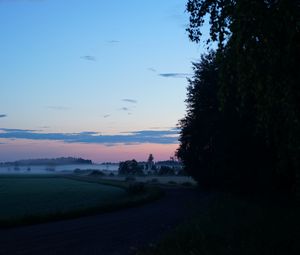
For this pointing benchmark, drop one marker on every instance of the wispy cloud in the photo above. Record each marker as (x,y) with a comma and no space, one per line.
(89,58)
(113,41)
(18,130)
(3,115)
(136,137)
(152,69)
(126,109)
(175,75)
(106,116)
(57,107)
(163,128)
(128,100)
(16,1)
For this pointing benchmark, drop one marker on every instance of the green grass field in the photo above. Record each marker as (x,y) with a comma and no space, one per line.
(24,197)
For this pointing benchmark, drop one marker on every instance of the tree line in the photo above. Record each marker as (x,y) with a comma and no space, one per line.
(242,126)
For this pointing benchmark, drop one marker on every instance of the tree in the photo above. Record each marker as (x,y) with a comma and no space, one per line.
(130,167)
(150,158)
(200,125)
(150,163)
(166,170)
(258,57)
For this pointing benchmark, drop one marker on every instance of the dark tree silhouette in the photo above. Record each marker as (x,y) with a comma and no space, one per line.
(258,56)
(200,125)
(166,170)
(130,167)
(150,163)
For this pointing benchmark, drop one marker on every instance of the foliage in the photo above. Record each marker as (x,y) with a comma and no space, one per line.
(96,173)
(150,158)
(50,162)
(200,125)
(130,167)
(254,131)
(154,168)
(166,170)
(150,164)
(93,172)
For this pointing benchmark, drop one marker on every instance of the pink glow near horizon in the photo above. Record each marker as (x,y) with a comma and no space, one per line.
(23,149)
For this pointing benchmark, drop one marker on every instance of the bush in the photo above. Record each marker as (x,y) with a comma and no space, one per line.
(172,182)
(154,180)
(82,171)
(77,171)
(96,173)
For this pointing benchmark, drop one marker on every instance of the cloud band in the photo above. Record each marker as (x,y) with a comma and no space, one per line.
(136,137)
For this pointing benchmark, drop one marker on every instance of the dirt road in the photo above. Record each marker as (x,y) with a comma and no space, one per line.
(114,233)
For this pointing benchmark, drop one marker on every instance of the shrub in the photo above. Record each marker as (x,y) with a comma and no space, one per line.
(82,171)
(96,173)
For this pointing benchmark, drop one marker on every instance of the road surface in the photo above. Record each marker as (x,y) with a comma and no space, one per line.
(114,233)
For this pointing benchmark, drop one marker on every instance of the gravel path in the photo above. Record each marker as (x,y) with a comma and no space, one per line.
(114,233)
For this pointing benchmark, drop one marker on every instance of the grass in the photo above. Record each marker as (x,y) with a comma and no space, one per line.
(34,199)
(136,197)
(231,225)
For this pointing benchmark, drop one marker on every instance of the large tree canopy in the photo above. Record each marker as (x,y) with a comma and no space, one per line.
(258,59)
(199,126)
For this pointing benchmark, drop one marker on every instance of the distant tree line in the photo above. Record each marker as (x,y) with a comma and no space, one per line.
(133,167)
(55,161)
(242,126)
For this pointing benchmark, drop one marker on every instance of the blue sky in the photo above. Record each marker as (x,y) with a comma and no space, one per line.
(109,67)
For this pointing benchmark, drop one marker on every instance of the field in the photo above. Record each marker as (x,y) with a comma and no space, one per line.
(25,197)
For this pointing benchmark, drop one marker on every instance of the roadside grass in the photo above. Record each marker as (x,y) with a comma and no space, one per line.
(232,225)
(138,193)
(81,207)
(159,179)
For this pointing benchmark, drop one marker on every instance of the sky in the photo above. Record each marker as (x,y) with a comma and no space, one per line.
(103,80)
